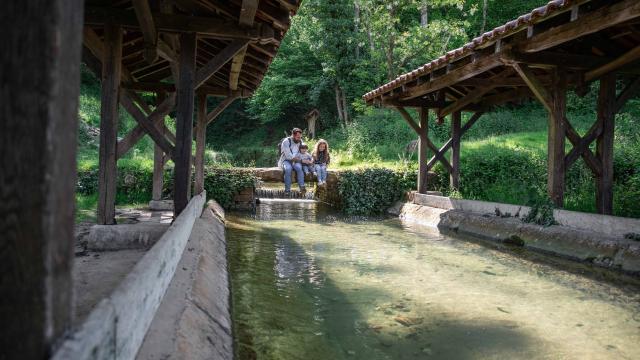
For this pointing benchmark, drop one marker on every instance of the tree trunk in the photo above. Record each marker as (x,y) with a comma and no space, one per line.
(485,5)
(339,103)
(356,8)
(345,108)
(424,15)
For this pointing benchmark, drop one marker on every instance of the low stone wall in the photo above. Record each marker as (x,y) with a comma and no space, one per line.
(194,318)
(328,194)
(116,327)
(478,219)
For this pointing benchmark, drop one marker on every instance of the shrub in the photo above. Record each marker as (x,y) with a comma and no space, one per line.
(223,184)
(371,191)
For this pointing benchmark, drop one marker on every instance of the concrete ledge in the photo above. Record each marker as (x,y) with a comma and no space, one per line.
(128,236)
(276,174)
(597,248)
(161,205)
(610,225)
(194,318)
(116,327)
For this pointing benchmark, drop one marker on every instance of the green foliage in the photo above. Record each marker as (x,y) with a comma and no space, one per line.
(223,184)
(541,213)
(371,191)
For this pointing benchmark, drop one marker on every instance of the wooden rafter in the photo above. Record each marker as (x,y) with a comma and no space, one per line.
(148,29)
(534,84)
(211,67)
(247,15)
(220,108)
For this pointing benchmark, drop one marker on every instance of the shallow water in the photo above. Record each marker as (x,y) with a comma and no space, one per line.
(307,284)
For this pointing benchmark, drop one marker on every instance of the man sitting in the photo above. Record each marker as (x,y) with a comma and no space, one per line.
(290,159)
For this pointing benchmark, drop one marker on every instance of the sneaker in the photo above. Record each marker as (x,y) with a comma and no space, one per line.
(287,193)
(303,189)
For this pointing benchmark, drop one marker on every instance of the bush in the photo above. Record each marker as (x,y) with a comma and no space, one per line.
(223,184)
(371,191)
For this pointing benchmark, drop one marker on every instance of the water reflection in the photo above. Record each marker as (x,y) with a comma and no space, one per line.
(308,284)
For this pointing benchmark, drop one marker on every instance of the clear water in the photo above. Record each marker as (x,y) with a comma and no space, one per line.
(310,285)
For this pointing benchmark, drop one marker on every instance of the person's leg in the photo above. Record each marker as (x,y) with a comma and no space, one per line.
(286,165)
(299,175)
(323,169)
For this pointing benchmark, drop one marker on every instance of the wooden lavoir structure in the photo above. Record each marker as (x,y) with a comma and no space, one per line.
(566,44)
(178,52)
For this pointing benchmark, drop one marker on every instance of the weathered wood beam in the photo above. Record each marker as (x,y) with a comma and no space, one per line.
(175,23)
(219,109)
(423,170)
(149,86)
(111,74)
(583,146)
(156,118)
(149,127)
(629,91)
(576,141)
(555,58)
(40,72)
(447,145)
(626,58)
(236,68)
(148,29)
(462,73)
(222,91)
(166,52)
(215,64)
(247,15)
(598,20)
(184,122)
(556,137)
(201,135)
(407,117)
(456,135)
(534,85)
(490,84)
(248,12)
(604,143)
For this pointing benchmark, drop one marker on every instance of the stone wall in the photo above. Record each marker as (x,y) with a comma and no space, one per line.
(599,247)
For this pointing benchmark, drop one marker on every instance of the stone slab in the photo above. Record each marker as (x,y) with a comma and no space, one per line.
(128,236)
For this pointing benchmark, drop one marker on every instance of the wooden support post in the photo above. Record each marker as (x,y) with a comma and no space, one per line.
(556,138)
(422,151)
(111,74)
(454,177)
(604,143)
(158,172)
(201,132)
(40,72)
(184,122)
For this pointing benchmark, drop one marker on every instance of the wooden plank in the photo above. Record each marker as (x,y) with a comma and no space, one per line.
(156,117)
(215,64)
(201,134)
(409,120)
(534,85)
(604,144)
(589,23)
(219,109)
(456,134)
(149,127)
(628,57)
(184,122)
(629,91)
(183,24)
(148,29)
(41,84)
(107,155)
(556,136)
(422,151)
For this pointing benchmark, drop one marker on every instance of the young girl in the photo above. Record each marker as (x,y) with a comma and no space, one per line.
(321,160)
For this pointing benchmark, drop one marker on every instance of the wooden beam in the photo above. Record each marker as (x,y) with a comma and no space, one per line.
(156,118)
(219,109)
(111,74)
(223,57)
(629,91)
(462,73)
(534,85)
(456,135)
(447,145)
(184,122)
(409,120)
(423,171)
(236,68)
(149,127)
(201,135)
(626,58)
(604,144)
(166,52)
(148,29)
(555,58)
(247,15)
(40,72)
(597,20)
(175,23)
(583,146)
(591,160)
(556,136)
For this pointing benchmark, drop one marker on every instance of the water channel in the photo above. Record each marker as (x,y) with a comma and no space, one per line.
(310,284)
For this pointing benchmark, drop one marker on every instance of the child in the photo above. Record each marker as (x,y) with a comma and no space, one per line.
(321,159)
(306,159)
